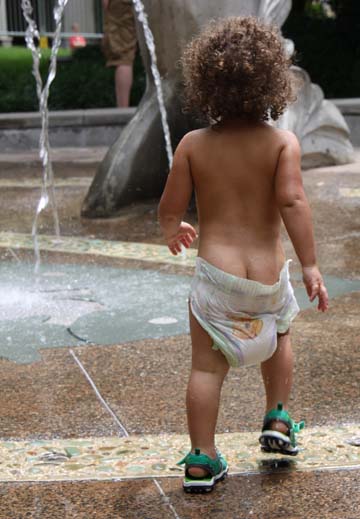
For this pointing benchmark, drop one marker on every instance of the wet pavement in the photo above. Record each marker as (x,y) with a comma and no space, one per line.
(95,354)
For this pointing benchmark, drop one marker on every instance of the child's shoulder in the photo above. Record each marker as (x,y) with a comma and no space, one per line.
(195,135)
(281,139)
(286,137)
(192,138)
(204,137)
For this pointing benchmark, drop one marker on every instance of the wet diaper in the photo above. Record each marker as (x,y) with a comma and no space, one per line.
(242,316)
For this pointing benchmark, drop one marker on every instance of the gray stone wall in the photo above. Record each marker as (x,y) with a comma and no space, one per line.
(101,127)
(76,128)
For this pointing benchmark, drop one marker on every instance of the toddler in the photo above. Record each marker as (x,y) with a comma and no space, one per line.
(247,179)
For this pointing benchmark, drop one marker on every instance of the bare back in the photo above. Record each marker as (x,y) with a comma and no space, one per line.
(233,170)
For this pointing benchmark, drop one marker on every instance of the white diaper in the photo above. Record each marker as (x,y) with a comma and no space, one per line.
(242,316)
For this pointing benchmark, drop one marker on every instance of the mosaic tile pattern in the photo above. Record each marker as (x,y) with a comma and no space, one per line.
(114,249)
(350,192)
(27,183)
(149,456)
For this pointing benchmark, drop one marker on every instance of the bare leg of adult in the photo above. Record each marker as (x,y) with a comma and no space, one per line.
(208,371)
(277,373)
(123,82)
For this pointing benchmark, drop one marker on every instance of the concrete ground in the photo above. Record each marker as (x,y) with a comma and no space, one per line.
(95,354)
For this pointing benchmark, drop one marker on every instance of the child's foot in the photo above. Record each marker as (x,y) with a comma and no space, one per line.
(198,472)
(202,472)
(278,433)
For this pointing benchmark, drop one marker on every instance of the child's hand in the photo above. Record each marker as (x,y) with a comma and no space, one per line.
(185,235)
(315,287)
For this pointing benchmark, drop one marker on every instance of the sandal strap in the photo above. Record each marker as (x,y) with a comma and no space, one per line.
(298,426)
(280,415)
(202,461)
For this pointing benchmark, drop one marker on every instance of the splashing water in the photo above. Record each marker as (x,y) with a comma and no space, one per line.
(149,38)
(48,189)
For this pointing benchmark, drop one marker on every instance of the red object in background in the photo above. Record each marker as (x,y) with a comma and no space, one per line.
(77,41)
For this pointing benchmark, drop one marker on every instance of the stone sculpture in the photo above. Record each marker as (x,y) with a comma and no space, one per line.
(319,126)
(136,166)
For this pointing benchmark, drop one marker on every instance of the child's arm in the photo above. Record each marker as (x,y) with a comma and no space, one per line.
(296,215)
(175,200)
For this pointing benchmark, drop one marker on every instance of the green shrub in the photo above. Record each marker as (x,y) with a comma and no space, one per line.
(82,80)
(329,51)
(17,90)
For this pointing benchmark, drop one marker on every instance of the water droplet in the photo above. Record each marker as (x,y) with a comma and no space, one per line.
(163,320)
(354,441)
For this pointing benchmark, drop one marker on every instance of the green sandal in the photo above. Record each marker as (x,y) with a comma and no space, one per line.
(275,441)
(216,469)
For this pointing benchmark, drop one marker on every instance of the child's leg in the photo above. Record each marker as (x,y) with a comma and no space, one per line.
(208,371)
(277,374)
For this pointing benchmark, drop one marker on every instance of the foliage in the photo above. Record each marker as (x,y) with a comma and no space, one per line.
(315,10)
(82,80)
(17,86)
(328,50)
(341,8)
(345,7)
(298,6)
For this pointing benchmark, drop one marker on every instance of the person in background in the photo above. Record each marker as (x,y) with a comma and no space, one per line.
(119,45)
(77,40)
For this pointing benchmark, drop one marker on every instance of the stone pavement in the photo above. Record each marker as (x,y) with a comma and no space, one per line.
(95,355)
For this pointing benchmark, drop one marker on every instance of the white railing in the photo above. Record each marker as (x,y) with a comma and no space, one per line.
(87,35)
(86,13)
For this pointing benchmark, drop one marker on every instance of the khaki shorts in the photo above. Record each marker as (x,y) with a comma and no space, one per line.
(119,42)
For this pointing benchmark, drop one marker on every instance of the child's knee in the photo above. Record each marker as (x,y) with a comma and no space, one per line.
(217,365)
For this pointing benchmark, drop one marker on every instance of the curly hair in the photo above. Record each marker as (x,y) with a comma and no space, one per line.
(237,68)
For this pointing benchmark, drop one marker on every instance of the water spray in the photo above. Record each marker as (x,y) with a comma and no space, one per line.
(149,38)
(47,189)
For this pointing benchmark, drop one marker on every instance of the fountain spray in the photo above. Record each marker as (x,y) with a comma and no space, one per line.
(149,38)
(48,189)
